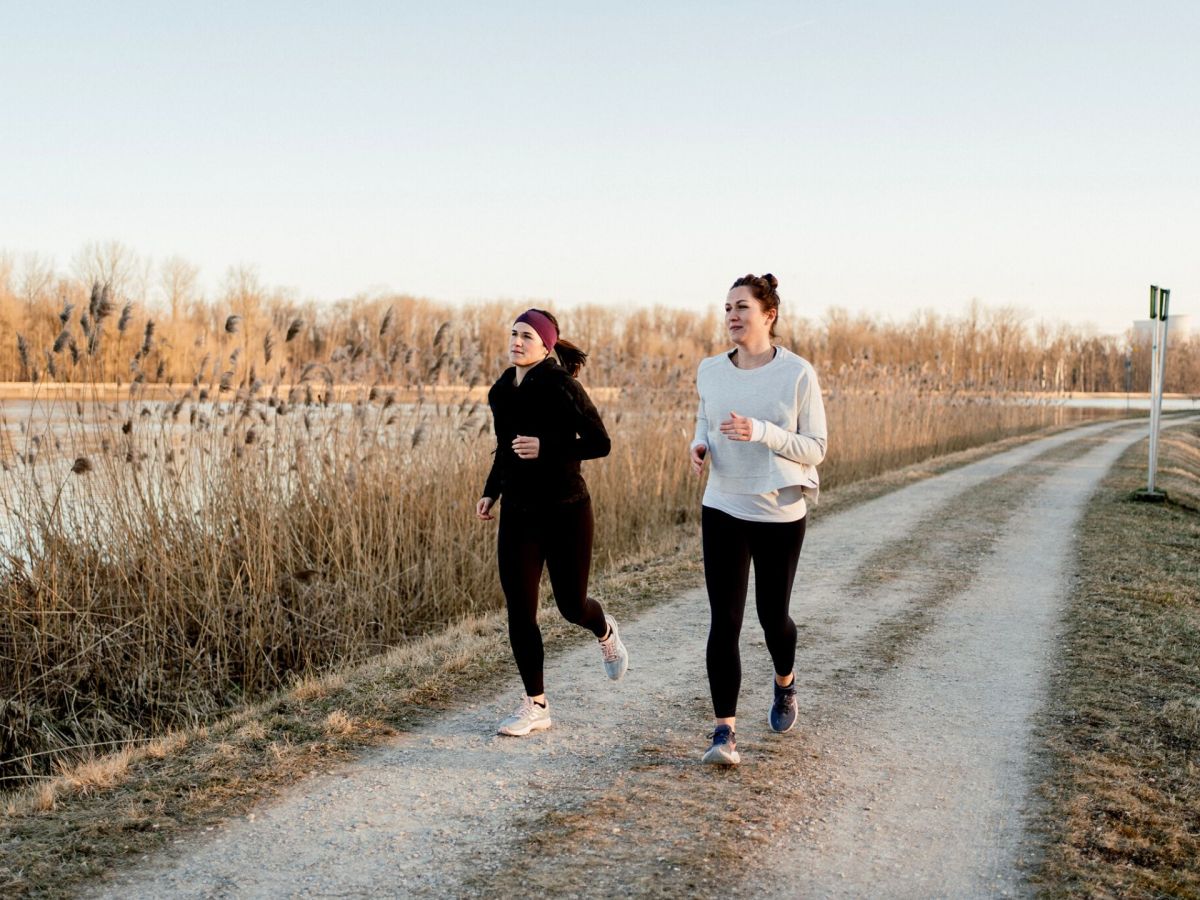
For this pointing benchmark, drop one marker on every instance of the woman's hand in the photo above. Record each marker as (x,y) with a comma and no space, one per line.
(699,457)
(737,428)
(526,447)
(483,509)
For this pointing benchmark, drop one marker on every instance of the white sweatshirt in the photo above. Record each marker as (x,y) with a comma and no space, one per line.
(788,441)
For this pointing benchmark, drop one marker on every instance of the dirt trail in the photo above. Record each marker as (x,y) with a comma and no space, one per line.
(928,624)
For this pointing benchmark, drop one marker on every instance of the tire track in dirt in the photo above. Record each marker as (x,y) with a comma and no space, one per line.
(909,692)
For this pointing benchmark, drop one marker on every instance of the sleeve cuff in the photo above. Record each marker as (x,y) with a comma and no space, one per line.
(758,431)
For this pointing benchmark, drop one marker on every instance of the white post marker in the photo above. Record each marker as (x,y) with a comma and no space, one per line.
(1159,302)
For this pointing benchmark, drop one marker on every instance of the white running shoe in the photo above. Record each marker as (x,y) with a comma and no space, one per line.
(616,657)
(528,717)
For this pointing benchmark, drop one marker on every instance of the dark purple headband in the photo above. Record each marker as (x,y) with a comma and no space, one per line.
(543,326)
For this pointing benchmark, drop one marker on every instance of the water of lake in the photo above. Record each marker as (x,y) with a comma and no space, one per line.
(1132,402)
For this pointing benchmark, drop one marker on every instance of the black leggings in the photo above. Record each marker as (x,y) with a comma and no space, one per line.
(730,544)
(559,536)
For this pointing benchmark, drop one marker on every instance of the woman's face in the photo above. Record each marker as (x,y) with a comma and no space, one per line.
(525,348)
(744,317)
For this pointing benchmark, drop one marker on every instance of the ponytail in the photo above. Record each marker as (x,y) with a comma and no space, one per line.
(570,356)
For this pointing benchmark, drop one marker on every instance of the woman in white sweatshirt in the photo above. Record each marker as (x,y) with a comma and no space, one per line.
(761,425)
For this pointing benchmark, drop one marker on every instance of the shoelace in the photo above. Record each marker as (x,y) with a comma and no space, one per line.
(725,737)
(526,707)
(608,647)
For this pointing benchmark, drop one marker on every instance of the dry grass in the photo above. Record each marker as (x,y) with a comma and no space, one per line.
(310,687)
(185,573)
(338,724)
(169,560)
(97,774)
(185,551)
(1123,818)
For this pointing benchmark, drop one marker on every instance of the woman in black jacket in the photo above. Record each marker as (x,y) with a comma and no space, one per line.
(545,425)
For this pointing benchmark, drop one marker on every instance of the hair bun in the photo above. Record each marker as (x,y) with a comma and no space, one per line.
(771,280)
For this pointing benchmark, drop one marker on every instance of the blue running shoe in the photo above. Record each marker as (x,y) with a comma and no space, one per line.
(723,751)
(782,716)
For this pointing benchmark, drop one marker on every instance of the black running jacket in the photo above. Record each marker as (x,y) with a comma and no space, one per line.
(551,405)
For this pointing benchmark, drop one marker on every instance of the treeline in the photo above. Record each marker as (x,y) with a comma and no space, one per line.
(116,317)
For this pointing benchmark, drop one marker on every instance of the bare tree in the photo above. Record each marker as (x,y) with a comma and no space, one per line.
(243,295)
(1008,333)
(178,283)
(113,264)
(242,291)
(8,265)
(35,280)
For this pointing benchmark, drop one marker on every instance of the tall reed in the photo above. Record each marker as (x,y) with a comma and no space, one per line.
(168,555)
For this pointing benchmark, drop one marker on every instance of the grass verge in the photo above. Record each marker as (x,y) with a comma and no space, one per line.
(1123,724)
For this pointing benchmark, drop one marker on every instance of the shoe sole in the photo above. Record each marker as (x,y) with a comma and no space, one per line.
(721,759)
(620,672)
(539,725)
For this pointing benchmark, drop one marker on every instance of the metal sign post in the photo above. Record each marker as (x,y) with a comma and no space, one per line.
(1160,299)
(1128,377)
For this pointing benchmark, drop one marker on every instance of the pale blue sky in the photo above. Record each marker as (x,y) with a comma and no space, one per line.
(883,157)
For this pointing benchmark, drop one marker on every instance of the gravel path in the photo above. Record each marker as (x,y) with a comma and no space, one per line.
(928,624)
